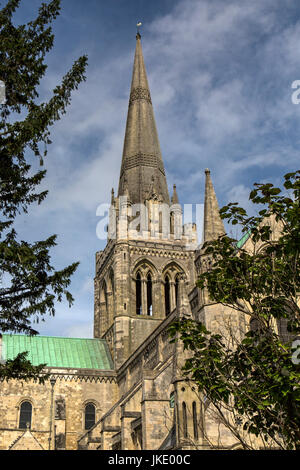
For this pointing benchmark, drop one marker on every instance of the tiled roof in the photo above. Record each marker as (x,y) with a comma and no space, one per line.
(59,352)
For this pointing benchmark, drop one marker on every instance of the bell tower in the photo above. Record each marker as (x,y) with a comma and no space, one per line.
(148,250)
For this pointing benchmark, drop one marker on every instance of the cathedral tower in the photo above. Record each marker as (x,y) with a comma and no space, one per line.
(148,250)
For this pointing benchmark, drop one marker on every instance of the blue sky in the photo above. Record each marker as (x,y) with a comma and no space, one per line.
(220,74)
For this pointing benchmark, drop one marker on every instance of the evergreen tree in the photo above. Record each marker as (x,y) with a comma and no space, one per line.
(30,284)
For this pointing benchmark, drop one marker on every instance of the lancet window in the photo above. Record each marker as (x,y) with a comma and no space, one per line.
(171,280)
(149,294)
(138,293)
(89,416)
(143,279)
(195,420)
(167,295)
(25,415)
(176,287)
(184,420)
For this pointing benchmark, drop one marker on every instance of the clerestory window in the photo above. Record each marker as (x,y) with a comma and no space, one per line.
(90,416)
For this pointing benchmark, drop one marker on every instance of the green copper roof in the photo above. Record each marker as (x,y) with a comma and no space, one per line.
(59,352)
(243,240)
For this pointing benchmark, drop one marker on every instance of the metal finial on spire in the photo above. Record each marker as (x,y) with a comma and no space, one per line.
(139,24)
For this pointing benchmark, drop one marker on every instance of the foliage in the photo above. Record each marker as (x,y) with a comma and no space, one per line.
(29,283)
(253,374)
(21,368)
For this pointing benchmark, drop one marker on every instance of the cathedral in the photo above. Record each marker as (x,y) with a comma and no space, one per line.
(124,389)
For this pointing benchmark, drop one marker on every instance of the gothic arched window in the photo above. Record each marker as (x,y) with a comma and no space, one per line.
(105,296)
(25,415)
(195,421)
(89,416)
(176,287)
(167,295)
(184,420)
(138,294)
(104,310)
(110,298)
(149,294)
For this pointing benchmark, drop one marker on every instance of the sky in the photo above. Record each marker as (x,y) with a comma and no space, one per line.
(220,75)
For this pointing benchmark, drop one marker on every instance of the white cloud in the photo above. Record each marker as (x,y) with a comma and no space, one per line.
(80,330)
(88,286)
(240,194)
(198,103)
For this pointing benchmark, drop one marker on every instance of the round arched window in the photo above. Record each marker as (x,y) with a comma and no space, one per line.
(89,416)
(25,415)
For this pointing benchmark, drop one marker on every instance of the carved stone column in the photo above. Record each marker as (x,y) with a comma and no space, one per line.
(156,299)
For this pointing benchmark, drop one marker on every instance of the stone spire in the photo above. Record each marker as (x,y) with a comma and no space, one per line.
(142,163)
(213,224)
(112,201)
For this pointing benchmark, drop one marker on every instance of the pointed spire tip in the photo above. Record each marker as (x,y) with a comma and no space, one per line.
(174,198)
(213,224)
(141,148)
(138,36)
